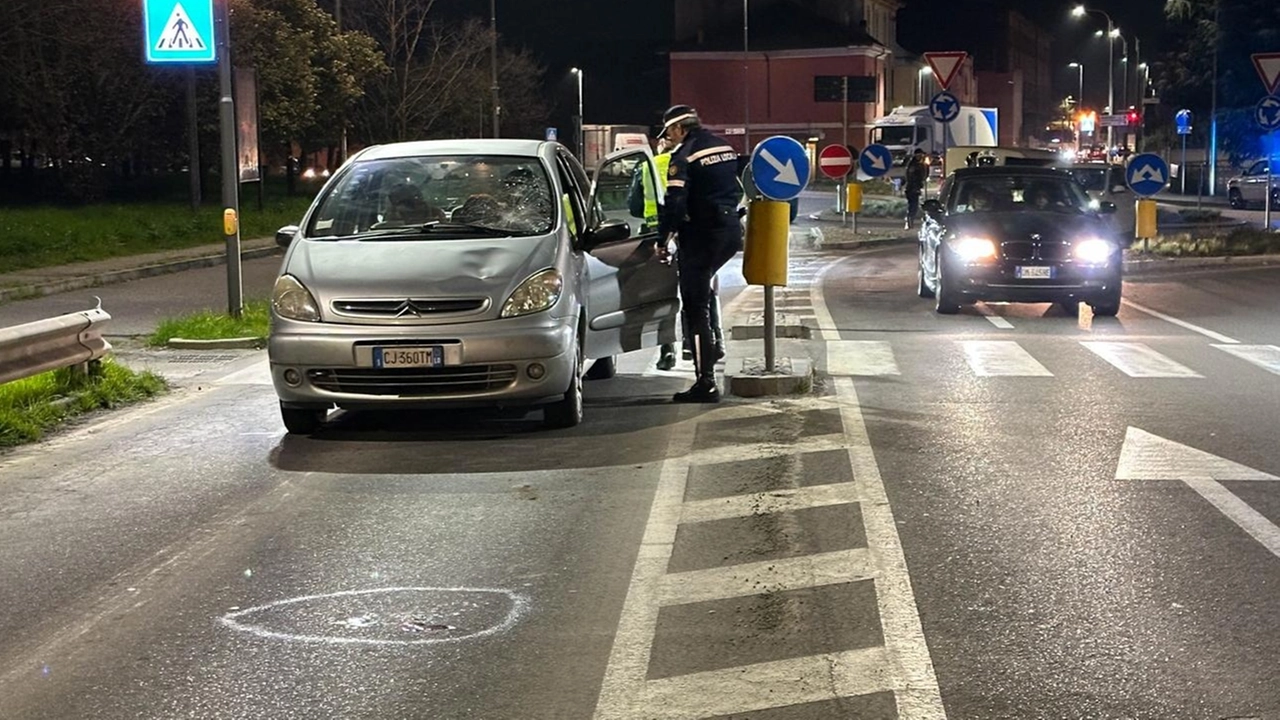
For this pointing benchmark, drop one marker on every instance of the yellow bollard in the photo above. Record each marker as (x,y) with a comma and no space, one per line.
(854,202)
(1145,214)
(764,258)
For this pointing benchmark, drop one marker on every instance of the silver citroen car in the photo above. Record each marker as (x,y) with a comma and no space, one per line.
(467,272)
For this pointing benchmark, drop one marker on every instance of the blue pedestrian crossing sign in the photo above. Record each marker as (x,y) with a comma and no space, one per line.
(1147,174)
(178,31)
(944,107)
(552,134)
(1267,113)
(875,160)
(780,168)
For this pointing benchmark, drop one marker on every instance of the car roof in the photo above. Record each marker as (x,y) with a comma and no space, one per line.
(487,146)
(997,170)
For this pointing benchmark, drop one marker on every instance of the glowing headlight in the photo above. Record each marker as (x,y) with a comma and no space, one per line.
(291,299)
(538,292)
(1094,250)
(971,249)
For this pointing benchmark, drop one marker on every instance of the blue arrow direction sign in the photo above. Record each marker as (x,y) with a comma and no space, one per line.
(1267,113)
(780,168)
(875,160)
(1183,121)
(178,31)
(1147,174)
(944,107)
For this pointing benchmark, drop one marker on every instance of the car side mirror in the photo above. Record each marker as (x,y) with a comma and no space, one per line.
(933,207)
(285,235)
(608,232)
(1106,207)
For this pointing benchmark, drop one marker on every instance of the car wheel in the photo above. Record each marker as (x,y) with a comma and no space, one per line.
(302,421)
(567,411)
(1107,305)
(922,288)
(1236,199)
(603,368)
(1275,199)
(944,303)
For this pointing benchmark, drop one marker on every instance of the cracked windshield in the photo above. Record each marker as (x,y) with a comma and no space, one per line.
(639,359)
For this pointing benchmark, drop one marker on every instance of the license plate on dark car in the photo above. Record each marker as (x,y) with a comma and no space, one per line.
(1033,272)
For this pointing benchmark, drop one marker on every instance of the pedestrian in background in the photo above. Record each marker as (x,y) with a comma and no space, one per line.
(917,175)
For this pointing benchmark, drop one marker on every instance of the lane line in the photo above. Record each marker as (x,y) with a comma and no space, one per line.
(1266,357)
(1249,520)
(918,696)
(1181,323)
(827,329)
(621,691)
(766,503)
(752,688)
(1002,358)
(1139,361)
(861,357)
(997,320)
(766,576)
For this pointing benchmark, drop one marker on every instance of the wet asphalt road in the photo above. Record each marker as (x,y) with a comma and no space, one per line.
(1047,588)
(186,559)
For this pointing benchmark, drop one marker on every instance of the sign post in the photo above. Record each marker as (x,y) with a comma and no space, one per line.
(1267,115)
(1183,120)
(780,169)
(835,161)
(944,107)
(1146,175)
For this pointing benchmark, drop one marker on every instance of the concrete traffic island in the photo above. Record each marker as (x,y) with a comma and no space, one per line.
(748,377)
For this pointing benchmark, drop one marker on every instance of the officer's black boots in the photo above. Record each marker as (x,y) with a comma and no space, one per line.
(704,390)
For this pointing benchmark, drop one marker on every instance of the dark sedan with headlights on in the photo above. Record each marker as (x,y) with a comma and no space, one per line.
(1018,234)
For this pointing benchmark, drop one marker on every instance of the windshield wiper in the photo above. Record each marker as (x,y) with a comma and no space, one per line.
(441,225)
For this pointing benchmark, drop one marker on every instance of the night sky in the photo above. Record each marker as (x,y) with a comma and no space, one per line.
(621,45)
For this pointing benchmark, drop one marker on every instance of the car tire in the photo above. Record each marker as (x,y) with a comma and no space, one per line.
(302,421)
(1236,199)
(922,288)
(1275,200)
(1107,305)
(944,303)
(603,368)
(567,411)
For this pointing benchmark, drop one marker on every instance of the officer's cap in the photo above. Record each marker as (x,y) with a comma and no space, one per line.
(676,114)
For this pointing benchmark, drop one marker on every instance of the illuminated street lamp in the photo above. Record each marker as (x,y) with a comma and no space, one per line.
(1079,95)
(1080,11)
(920,76)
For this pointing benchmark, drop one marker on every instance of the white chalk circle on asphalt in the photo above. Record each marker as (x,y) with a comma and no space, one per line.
(384,616)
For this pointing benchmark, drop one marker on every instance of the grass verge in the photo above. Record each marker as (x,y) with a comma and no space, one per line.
(1241,241)
(254,322)
(32,406)
(36,237)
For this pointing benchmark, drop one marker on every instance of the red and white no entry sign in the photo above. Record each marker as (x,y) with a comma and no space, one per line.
(835,161)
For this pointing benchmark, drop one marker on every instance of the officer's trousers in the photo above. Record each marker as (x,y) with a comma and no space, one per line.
(702,254)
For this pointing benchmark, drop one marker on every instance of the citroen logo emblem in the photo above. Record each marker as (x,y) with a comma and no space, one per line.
(406,308)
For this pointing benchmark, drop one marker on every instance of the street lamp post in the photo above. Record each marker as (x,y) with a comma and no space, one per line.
(1079,67)
(746,82)
(920,76)
(1079,11)
(493,62)
(582,143)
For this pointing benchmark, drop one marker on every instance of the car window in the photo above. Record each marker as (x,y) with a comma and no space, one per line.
(1091,179)
(1007,193)
(1258,168)
(511,195)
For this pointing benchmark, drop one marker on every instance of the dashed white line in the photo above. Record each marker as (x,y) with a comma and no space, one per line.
(829,568)
(1266,357)
(860,357)
(1002,358)
(1139,361)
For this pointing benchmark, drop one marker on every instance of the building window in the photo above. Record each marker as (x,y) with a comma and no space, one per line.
(830,88)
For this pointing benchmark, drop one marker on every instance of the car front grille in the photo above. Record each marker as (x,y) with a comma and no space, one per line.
(414,382)
(405,307)
(1041,250)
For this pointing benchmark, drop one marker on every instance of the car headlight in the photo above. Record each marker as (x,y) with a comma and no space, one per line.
(1094,250)
(972,249)
(290,299)
(538,292)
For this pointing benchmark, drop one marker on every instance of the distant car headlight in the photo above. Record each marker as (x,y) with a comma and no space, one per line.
(291,299)
(1094,250)
(972,249)
(538,292)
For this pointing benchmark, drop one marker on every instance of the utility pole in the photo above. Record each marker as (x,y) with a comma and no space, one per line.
(1213,106)
(493,60)
(193,139)
(230,174)
(746,84)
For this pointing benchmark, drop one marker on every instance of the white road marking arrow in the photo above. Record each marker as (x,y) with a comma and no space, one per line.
(1150,457)
(786,171)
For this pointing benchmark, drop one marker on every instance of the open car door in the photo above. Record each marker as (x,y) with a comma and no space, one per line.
(632,296)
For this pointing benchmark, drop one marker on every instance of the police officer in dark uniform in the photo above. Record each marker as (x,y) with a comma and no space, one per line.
(701,209)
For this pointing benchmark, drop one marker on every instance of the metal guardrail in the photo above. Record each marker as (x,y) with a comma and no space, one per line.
(52,343)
